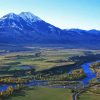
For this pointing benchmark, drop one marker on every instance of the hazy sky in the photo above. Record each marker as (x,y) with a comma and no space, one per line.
(84,14)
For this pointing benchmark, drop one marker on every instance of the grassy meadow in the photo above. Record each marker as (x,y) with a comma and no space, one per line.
(42,93)
(92,93)
(89,96)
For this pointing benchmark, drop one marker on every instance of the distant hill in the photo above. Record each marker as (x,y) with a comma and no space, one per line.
(27,28)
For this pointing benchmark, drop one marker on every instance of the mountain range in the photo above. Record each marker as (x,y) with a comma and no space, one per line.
(27,28)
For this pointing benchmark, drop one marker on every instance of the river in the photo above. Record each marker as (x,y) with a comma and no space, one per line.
(87,70)
(89,73)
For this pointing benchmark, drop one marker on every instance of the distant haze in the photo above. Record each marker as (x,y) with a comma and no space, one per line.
(65,14)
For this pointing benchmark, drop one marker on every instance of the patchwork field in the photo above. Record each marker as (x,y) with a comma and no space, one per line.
(40,59)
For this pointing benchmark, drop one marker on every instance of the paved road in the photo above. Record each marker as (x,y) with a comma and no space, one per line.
(74,96)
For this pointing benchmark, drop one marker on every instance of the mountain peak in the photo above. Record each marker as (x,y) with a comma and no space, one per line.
(29,17)
(11,20)
(10,15)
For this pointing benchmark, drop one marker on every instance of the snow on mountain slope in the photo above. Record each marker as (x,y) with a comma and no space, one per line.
(29,17)
(11,20)
(14,21)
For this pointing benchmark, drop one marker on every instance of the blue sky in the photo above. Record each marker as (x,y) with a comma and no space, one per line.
(84,14)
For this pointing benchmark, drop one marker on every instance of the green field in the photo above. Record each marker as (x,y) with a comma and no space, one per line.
(89,96)
(42,93)
(93,93)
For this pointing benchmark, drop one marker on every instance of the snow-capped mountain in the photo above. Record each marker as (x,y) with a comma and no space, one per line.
(27,28)
(12,20)
(29,17)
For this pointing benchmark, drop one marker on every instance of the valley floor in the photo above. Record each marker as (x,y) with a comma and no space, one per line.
(51,64)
